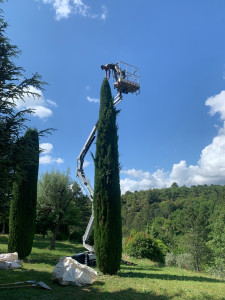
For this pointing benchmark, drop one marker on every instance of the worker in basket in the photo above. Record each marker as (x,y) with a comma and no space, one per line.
(114,67)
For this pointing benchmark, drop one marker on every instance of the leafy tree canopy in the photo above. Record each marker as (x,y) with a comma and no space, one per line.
(56,204)
(13,86)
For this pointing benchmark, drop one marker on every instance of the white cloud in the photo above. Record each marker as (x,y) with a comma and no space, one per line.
(49,160)
(62,8)
(139,180)
(46,147)
(52,103)
(45,160)
(217,104)
(210,168)
(58,160)
(80,8)
(41,111)
(38,104)
(65,8)
(104,13)
(94,100)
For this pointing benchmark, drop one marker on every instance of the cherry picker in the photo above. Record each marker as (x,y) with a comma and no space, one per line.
(126,80)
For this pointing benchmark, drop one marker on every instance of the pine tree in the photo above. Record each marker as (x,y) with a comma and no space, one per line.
(24,195)
(13,86)
(107,202)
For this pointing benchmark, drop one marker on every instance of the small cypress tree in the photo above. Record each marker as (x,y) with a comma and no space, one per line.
(24,195)
(107,202)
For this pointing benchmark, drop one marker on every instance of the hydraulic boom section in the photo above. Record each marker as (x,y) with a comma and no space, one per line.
(126,81)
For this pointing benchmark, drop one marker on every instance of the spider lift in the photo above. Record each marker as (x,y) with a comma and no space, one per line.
(126,80)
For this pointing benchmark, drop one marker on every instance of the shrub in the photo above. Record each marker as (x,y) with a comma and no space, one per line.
(217,271)
(142,245)
(185,261)
(162,246)
(170,259)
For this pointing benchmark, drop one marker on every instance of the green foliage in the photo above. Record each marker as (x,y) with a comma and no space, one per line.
(56,207)
(161,246)
(83,206)
(196,246)
(185,261)
(217,236)
(13,86)
(107,203)
(187,220)
(217,271)
(24,195)
(170,260)
(142,245)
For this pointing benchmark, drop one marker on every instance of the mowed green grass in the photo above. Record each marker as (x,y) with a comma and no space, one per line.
(144,281)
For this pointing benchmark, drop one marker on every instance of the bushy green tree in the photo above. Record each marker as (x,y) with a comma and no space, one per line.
(217,237)
(83,206)
(24,195)
(56,208)
(107,203)
(142,245)
(13,86)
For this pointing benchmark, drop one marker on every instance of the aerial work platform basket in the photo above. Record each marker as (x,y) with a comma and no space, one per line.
(128,80)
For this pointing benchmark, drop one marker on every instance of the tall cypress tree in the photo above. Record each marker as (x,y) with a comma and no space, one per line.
(24,195)
(107,203)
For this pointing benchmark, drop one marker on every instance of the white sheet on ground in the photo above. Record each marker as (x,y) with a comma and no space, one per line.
(9,261)
(69,271)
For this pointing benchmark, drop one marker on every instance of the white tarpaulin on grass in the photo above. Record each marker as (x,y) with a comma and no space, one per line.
(9,261)
(69,271)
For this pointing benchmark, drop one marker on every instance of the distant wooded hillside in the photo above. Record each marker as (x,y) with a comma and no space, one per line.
(187,220)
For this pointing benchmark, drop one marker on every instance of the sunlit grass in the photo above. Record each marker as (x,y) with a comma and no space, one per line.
(147,280)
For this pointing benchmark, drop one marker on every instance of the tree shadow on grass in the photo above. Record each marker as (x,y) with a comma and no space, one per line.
(3,239)
(96,291)
(50,257)
(167,277)
(44,243)
(58,292)
(125,267)
(59,246)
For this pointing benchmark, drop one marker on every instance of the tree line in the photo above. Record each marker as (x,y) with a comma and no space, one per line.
(187,220)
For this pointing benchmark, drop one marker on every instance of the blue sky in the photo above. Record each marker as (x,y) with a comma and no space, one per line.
(174,130)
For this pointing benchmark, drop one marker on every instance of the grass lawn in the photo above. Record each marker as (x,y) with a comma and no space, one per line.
(144,281)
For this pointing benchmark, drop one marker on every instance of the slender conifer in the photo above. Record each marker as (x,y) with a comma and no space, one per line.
(107,203)
(24,195)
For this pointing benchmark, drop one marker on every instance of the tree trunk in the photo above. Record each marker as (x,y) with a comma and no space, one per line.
(3,228)
(55,232)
